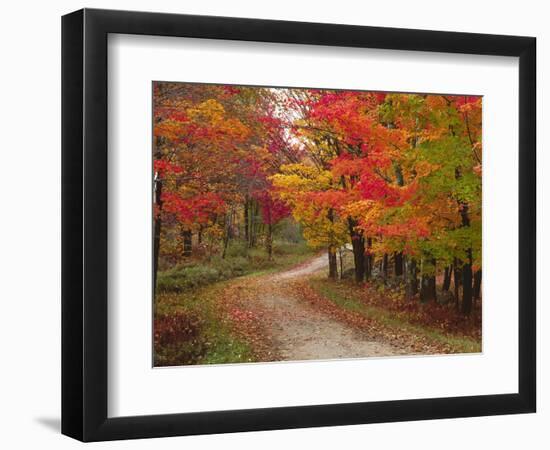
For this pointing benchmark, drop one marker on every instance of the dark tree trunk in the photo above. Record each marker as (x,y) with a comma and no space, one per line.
(269,237)
(269,240)
(359,258)
(199,236)
(230,232)
(385,267)
(447,278)
(414,277)
(226,235)
(253,225)
(369,260)
(157,225)
(477,284)
(407,261)
(433,287)
(467,294)
(411,284)
(457,275)
(157,200)
(332,264)
(246,220)
(428,289)
(398,256)
(358,244)
(467,291)
(424,297)
(332,260)
(399,175)
(398,261)
(187,243)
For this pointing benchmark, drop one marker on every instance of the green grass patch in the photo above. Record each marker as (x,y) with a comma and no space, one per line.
(211,342)
(239,261)
(337,293)
(190,326)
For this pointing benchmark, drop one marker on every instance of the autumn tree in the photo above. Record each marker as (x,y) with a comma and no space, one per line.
(397,177)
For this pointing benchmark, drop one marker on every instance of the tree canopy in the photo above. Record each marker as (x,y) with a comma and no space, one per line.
(394,176)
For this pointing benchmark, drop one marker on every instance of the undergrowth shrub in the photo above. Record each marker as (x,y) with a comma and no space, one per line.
(177,339)
(239,260)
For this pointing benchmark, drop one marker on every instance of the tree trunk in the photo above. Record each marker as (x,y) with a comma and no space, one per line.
(253,227)
(251,223)
(477,284)
(187,243)
(385,267)
(447,278)
(467,291)
(269,237)
(340,255)
(230,230)
(332,264)
(398,262)
(369,260)
(157,225)
(246,220)
(332,260)
(269,241)
(432,285)
(428,289)
(411,282)
(398,256)
(457,277)
(157,200)
(358,244)
(226,235)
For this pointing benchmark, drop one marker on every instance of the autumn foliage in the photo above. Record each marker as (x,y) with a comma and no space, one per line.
(393,178)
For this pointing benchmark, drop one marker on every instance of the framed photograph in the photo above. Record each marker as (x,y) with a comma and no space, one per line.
(273,224)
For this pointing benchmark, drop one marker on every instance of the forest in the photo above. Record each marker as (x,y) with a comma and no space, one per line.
(293,223)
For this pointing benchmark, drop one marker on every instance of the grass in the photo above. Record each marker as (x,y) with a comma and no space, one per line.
(193,292)
(212,342)
(239,261)
(347,299)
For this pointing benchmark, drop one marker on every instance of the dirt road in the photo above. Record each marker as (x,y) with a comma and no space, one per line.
(298,331)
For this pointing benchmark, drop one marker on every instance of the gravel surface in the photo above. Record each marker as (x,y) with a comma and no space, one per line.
(297,329)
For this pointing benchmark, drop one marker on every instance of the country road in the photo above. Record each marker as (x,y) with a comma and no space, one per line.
(297,331)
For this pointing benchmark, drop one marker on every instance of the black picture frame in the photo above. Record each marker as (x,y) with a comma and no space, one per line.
(84,224)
